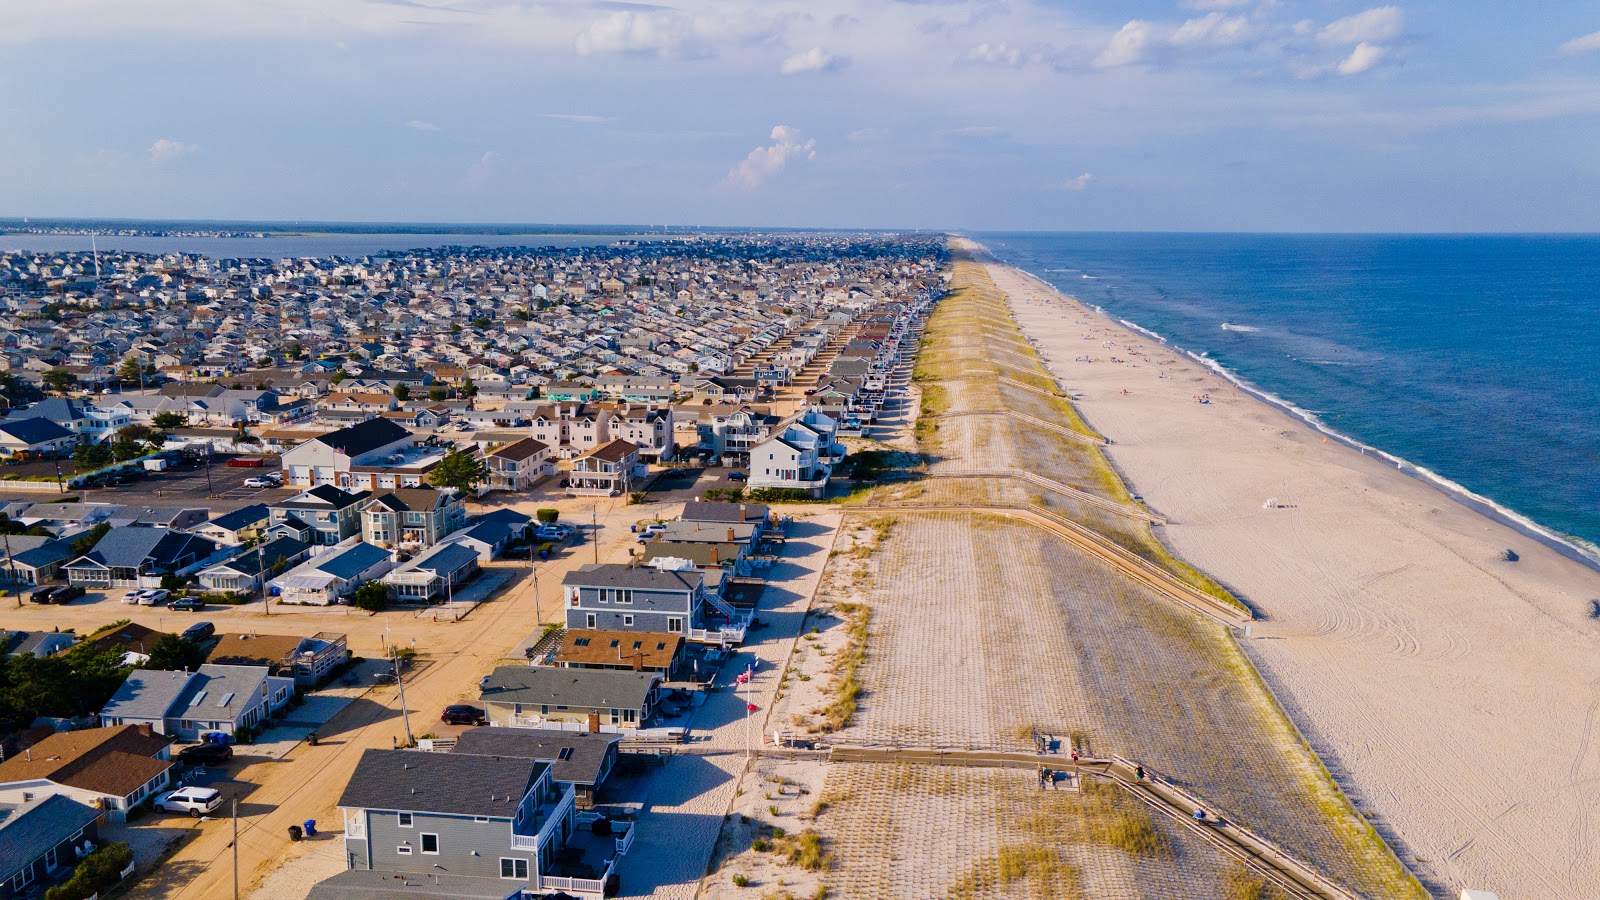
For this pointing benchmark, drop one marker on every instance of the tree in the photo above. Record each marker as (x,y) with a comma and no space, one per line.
(294,350)
(89,457)
(169,419)
(60,380)
(437,393)
(338,376)
(458,470)
(125,449)
(16,391)
(132,369)
(482,322)
(469,388)
(174,653)
(371,596)
(85,542)
(402,392)
(547,516)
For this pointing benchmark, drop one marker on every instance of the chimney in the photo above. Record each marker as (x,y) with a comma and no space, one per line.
(730,534)
(714,560)
(638,661)
(741,512)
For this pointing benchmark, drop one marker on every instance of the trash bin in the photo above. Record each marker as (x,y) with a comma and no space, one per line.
(295,832)
(311,828)
(312,739)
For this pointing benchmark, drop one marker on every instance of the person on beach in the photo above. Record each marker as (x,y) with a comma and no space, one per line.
(1138,772)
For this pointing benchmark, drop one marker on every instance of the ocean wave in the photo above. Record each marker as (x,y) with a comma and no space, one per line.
(1247,329)
(1139,328)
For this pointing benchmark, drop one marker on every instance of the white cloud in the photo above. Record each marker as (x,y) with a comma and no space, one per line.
(1374,26)
(1127,46)
(419,125)
(814,60)
(765,162)
(1079,183)
(995,55)
(166,149)
(1211,30)
(663,33)
(1363,58)
(1215,4)
(1586,44)
(867,135)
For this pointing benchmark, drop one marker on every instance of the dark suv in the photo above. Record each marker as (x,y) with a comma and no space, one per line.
(207,754)
(461,714)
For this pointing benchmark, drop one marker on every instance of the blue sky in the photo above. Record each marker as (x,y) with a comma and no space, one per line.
(1205,114)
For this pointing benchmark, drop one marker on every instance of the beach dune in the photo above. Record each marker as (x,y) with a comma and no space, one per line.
(1453,691)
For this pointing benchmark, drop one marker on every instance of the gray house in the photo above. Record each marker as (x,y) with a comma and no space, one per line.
(364,884)
(139,556)
(667,596)
(593,700)
(411,812)
(185,705)
(42,839)
(582,760)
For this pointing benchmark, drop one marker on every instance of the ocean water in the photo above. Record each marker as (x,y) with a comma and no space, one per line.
(294,246)
(1475,358)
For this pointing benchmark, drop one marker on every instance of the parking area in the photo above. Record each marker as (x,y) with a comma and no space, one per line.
(222,491)
(692,483)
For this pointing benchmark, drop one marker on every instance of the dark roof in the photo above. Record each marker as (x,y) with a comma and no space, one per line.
(56,409)
(322,496)
(410,499)
(131,636)
(445,559)
(583,688)
(365,436)
(448,783)
(364,884)
(243,517)
(575,757)
(616,575)
(129,547)
(521,449)
(262,557)
(653,650)
(34,431)
(45,554)
(36,827)
(704,555)
(714,511)
(613,451)
(115,761)
(352,561)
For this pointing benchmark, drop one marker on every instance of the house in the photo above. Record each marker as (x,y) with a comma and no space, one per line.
(647,427)
(718,512)
(308,660)
(234,528)
(33,438)
(134,640)
(42,838)
(324,460)
(593,700)
(38,644)
(324,579)
(635,651)
(324,515)
(746,535)
(669,596)
(582,760)
(34,559)
(244,573)
(411,518)
(491,533)
(519,465)
(787,462)
(140,557)
(433,574)
(186,705)
(412,812)
(605,471)
(114,768)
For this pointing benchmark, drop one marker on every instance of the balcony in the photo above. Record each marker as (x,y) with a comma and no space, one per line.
(546,823)
(588,859)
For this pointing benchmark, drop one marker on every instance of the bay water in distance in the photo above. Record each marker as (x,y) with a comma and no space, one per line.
(1476,358)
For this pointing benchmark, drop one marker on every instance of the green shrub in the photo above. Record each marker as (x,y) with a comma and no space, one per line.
(547,516)
(98,871)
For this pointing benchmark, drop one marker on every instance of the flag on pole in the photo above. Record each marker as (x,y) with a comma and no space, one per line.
(744,678)
(750,707)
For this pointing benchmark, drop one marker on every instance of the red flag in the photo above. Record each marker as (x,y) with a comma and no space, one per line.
(751,708)
(743,678)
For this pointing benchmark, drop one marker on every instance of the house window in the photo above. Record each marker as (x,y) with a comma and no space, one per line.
(50,860)
(628,621)
(27,797)
(405,820)
(480,819)
(403,850)
(589,619)
(430,844)
(514,868)
(674,624)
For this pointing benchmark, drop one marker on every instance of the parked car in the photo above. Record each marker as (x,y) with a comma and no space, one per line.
(154,596)
(738,476)
(132,596)
(196,801)
(262,481)
(207,754)
(550,533)
(462,714)
(67,593)
(42,595)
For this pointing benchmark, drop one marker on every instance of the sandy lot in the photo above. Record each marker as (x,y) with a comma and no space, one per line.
(1452,693)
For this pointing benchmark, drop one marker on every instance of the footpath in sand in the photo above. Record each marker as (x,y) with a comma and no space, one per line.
(1453,693)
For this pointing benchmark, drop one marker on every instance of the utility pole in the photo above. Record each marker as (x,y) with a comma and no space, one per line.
(538,608)
(261,573)
(210,491)
(236,848)
(594,530)
(405,714)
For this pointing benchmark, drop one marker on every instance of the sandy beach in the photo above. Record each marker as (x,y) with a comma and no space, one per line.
(1452,692)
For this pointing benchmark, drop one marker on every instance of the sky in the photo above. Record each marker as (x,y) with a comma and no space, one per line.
(1211,115)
